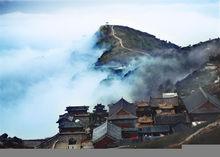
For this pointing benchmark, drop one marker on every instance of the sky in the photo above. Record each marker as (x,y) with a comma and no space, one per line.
(181,22)
(46,52)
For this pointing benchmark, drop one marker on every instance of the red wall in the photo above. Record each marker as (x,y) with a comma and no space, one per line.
(104,143)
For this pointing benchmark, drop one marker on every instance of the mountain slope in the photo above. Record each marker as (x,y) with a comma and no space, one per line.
(209,134)
(124,44)
(151,66)
(206,76)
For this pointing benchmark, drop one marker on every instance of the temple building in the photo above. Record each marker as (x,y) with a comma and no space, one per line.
(177,122)
(68,123)
(106,135)
(144,121)
(122,114)
(201,106)
(170,113)
(165,105)
(143,109)
(79,113)
(72,128)
(144,114)
(165,109)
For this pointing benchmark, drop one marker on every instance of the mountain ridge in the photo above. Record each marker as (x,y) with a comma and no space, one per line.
(123,41)
(123,44)
(160,67)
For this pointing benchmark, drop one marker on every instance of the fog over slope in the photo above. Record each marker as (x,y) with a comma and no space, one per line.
(150,66)
(160,73)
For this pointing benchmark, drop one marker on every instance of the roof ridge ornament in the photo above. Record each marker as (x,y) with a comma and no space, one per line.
(203,92)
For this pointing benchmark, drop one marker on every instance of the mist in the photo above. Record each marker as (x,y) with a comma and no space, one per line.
(157,73)
(38,82)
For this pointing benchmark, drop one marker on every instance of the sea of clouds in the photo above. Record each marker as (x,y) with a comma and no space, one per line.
(44,67)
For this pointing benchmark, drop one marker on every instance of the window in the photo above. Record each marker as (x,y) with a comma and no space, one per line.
(72,141)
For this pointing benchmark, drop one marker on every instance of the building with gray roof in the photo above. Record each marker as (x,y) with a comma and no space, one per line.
(201,106)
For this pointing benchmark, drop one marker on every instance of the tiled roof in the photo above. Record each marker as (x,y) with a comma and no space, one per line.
(171,119)
(77,108)
(114,116)
(130,129)
(126,106)
(199,98)
(65,117)
(67,121)
(155,129)
(106,129)
(142,104)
